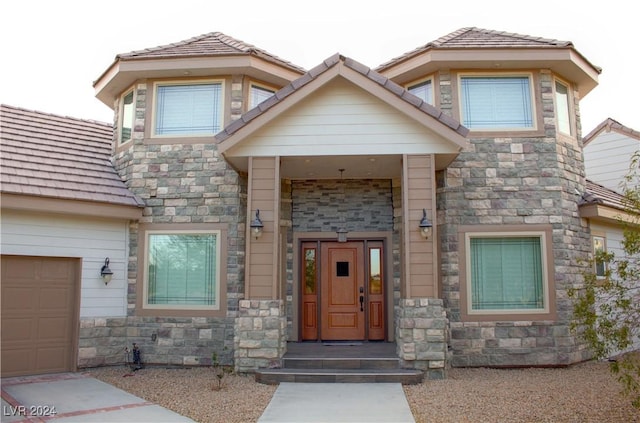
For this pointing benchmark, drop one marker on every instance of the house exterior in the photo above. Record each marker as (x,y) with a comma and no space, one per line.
(64,211)
(429,202)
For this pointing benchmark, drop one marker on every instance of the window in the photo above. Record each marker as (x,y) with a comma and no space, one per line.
(506,273)
(188,109)
(562,108)
(126,117)
(423,90)
(600,268)
(496,102)
(182,270)
(258,94)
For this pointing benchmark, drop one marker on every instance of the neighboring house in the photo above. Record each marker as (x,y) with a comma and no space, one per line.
(430,202)
(608,149)
(64,211)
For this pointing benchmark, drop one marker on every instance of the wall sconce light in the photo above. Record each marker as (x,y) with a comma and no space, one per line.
(256,226)
(105,272)
(426,227)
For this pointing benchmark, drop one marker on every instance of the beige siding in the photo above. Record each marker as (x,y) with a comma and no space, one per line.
(420,255)
(342,116)
(262,253)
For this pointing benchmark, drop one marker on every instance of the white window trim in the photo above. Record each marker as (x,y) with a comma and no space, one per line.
(604,248)
(261,86)
(545,279)
(185,82)
(145,270)
(420,81)
(121,116)
(569,107)
(532,91)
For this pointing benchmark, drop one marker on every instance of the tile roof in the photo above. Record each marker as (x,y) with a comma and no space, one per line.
(329,63)
(211,44)
(472,38)
(598,194)
(610,125)
(59,157)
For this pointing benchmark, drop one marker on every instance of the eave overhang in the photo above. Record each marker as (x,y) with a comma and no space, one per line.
(68,207)
(606,214)
(124,72)
(565,61)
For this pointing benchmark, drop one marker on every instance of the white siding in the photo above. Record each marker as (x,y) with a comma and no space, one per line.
(92,240)
(607,158)
(346,120)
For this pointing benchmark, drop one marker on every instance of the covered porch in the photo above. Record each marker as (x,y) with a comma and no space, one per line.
(338,167)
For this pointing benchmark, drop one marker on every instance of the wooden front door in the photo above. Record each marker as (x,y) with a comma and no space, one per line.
(342,291)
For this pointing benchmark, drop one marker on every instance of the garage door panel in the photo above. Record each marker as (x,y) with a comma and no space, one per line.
(22,361)
(52,300)
(18,299)
(53,328)
(39,314)
(17,329)
(53,359)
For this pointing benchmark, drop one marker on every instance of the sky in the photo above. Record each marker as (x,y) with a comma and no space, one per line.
(53,50)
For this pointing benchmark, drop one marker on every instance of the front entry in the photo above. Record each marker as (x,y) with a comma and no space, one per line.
(342,291)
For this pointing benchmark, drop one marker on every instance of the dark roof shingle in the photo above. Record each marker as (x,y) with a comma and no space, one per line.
(59,157)
(598,194)
(474,38)
(211,44)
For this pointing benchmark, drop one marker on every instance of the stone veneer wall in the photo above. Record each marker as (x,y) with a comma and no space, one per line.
(260,338)
(421,335)
(180,183)
(502,181)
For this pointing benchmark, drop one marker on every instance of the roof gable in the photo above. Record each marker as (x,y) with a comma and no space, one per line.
(58,157)
(357,74)
(609,125)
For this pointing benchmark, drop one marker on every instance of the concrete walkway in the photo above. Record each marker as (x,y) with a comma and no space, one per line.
(74,397)
(338,402)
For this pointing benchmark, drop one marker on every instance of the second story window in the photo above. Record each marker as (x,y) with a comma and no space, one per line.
(423,90)
(258,94)
(497,102)
(126,117)
(563,116)
(188,109)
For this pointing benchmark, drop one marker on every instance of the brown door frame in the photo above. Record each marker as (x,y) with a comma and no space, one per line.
(311,304)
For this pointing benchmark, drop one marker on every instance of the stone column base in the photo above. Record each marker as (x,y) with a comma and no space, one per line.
(260,335)
(421,335)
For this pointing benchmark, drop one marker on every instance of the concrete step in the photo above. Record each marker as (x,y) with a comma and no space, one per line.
(339,375)
(340,363)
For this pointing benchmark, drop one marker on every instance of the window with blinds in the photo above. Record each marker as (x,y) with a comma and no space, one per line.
(188,109)
(507,273)
(496,102)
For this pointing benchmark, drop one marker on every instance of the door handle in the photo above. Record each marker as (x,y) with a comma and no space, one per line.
(361,302)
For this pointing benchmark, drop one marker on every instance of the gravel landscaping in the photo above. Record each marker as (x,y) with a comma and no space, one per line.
(585,392)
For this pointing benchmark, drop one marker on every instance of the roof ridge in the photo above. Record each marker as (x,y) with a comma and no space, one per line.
(58,116)
(165,46)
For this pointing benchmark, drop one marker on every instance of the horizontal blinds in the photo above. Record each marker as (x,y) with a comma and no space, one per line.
(188,109)
(506,273)
(496,102)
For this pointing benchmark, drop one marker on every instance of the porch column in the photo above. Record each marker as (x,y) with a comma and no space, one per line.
(260,328)
(420,320)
